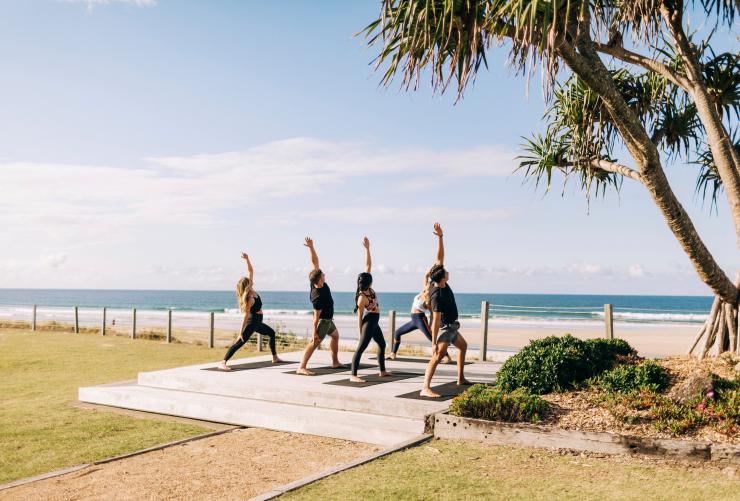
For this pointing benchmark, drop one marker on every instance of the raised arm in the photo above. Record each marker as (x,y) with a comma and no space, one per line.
(368,259)
(440,244)
(250,270)
(314,256)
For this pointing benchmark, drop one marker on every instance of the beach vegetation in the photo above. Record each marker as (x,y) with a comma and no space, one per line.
(646,375)
(632,88)
(559,363)
(491,403)
(717,409)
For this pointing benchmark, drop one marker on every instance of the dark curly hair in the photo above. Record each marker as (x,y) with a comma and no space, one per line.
(364,281)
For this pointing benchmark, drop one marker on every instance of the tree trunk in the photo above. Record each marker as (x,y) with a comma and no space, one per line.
(720,144)
(719,332)
(588,66)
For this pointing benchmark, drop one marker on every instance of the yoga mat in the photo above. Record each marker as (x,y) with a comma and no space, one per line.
(447,390)
(250,365)
(372,380)
(418,361)
(328,369)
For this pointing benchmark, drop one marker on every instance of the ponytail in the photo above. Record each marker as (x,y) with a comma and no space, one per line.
(364,281)
(242,293)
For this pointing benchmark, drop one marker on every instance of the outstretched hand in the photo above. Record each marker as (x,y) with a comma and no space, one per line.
(309,242)
(438,230)
(366,243)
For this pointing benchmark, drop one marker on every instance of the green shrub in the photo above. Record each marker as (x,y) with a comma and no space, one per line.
(559,363)
(646,375)
(493,404)
(606,352)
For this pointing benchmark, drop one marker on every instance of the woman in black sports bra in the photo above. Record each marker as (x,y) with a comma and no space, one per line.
(368,315)
(251,304)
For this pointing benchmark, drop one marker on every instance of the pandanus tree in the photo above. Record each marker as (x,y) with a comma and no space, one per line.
(621,78)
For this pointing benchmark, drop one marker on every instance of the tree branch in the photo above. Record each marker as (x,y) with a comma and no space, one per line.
(587,64)
(720,144)
(649,64)
(617,169)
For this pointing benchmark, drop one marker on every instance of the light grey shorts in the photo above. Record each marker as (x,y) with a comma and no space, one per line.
(326,326)
(449,333)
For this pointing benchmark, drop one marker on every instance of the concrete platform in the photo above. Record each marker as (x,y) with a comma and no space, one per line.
(271,397)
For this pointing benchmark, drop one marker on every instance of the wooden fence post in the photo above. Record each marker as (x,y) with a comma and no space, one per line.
(210,339)
(77,321)
(169,326)
(33,319)
(133,323)
(609,321)
(391,326)
(484,306)
(102,325)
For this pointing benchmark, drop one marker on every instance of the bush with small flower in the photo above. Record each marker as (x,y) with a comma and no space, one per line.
(492,403)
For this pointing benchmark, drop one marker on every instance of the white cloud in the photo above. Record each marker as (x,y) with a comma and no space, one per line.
(54,261)
(405,215)
(91,4)
(636,271)
(94,200)
(587,269)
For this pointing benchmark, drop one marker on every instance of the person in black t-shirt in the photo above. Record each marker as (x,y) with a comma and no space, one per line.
(250,303)
(444,319)
(323,315)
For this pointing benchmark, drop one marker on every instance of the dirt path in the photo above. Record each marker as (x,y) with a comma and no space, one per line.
(235,465)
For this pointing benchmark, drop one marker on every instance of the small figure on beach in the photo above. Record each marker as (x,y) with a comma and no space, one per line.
(323,315)
(419,306)
(368,316)
(444,319)
(250,303)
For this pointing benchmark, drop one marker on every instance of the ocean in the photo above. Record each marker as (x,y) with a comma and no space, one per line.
(528,308)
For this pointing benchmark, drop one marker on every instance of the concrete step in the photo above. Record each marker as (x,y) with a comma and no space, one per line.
(348,425)
(273,384)
(381,400)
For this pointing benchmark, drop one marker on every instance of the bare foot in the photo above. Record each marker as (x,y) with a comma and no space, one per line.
(385,373)
(276,360)
(338,366)
(356,379)
(305,372)
(447,360)
(427,392)
(463,381)
(224,367)
(392,356)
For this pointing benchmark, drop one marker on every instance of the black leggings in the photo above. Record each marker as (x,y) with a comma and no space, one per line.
(255,324)
(370,330)
(418,321)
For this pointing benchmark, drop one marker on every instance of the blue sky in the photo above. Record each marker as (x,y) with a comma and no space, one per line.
(145,144)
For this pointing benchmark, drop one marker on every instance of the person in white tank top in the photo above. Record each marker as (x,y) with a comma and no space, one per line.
(418,313)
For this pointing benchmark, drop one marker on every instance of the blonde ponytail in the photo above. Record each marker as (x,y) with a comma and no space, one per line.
(242,293)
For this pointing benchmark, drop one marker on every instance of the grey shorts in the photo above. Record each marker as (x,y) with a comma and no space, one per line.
(449,333)
(326,326)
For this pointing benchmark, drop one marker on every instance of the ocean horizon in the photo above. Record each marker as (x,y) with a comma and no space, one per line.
(648,309)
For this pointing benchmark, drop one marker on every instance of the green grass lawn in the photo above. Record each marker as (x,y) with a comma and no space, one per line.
(460,470)
(40,372)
